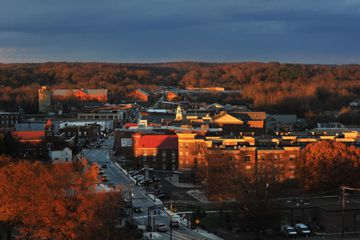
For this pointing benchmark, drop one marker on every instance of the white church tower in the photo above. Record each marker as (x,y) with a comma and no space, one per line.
(179,114)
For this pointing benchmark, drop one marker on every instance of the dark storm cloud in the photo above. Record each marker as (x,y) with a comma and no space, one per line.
(159,30)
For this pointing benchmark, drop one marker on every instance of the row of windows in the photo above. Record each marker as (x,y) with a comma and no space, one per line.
(8,122)
(247,158)
(8,116)
(163,153)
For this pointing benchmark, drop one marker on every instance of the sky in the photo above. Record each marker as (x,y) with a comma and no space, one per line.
(292,31)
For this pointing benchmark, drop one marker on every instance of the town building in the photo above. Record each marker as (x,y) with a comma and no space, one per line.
(37,144)
(83,134)
(60,155)
(156,151)
(10,119)
(171,95)
(236,123)
(44,94)
(106,125)
(30,144)
(99,95)
(139,95)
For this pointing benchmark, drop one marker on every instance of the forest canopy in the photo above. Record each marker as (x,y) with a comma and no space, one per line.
(272,86)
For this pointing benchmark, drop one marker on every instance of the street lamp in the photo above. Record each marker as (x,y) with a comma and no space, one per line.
(171,220)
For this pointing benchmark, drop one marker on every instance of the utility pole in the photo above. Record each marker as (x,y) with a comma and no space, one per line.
(343,204)
(131,198)
(171,209)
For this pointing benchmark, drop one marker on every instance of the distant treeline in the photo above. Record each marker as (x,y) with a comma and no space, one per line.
(274,87)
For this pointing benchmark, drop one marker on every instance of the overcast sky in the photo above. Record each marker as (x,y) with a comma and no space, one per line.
(303,31)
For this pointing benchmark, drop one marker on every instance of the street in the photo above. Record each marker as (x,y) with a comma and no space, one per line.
(137,194)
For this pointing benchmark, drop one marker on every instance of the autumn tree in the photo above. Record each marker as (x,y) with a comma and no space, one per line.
(248,197)
(328,164)
(56,202)
(273,86)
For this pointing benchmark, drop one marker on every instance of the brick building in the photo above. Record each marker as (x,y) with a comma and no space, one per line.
(83,134)
(139,95)
(158,151)
(9,119)
(30,144)
(82,94)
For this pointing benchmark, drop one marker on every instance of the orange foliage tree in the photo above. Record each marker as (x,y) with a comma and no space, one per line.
(248,199)
(56,202)
(329,164)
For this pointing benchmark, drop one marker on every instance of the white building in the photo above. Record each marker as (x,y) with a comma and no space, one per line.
(61,155)
(105,125)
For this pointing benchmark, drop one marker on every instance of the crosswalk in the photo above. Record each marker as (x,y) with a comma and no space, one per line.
(176,235)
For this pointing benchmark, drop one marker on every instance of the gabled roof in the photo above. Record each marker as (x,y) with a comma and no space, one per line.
(249,115)
(226,118)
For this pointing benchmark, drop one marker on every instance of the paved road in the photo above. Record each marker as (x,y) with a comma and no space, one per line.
(139,197)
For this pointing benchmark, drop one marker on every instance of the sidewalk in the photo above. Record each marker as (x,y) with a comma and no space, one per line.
(174,180)
(184,223)
(198,195)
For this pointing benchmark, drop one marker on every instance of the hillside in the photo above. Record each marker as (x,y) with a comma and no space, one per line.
(271,86)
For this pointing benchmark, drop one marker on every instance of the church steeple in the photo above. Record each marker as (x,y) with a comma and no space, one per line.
(179,114)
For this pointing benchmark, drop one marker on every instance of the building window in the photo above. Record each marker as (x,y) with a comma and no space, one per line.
(292,158)
(247,158)
(276,157)
(173,156)
(154,156)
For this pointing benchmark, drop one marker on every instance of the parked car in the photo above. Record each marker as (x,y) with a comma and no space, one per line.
(302,229)
(111,184)
(134,173)
(175,223)
(138,209)
(161,227)
(140,177)
(289,231)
